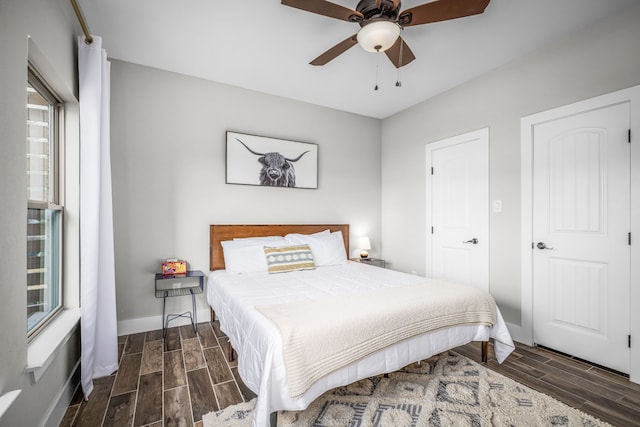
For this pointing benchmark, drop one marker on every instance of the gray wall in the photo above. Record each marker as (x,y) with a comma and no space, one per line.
(50,23)
(600,59)
(168,161)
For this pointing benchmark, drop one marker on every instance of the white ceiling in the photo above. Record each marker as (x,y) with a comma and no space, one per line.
(265,46)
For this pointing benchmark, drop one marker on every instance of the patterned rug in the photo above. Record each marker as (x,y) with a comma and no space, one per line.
(446,390)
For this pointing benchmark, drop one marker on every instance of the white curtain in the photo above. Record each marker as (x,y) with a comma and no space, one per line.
(97,269)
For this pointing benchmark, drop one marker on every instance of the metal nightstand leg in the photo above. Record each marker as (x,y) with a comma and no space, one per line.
(194,318)
(193,314)
(165,321)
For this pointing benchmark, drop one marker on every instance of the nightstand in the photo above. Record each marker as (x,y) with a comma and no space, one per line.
(190,283)
(370,261)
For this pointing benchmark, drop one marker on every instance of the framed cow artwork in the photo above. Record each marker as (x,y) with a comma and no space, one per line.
(271,162)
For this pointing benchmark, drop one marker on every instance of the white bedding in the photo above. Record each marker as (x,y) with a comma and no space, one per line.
(258,343)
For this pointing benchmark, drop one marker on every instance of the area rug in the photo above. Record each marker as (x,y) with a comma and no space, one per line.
(446,390)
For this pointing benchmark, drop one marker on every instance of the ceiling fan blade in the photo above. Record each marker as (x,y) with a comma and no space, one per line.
(393,53)
(335,51)
(441,10)
(325,8)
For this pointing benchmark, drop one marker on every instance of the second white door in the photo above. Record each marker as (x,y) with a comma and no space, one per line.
(458,206)
(581,224)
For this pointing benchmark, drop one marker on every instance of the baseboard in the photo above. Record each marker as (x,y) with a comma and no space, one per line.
(145,324)
(517,334)
(61,403)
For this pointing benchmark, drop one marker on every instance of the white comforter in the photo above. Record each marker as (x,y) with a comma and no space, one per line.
(258,342)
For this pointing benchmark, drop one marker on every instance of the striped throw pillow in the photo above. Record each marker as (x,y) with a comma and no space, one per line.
(289,258)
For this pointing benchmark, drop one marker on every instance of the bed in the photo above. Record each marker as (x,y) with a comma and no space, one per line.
(257,310)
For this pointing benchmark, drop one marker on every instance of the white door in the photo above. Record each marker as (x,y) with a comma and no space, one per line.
(458,207)
(581,252)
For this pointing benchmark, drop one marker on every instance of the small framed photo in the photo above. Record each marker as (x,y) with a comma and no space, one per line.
(271,162)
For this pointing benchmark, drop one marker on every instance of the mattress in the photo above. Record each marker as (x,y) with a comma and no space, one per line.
(234,298)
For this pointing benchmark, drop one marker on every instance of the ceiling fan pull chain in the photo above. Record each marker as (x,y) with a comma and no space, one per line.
(377,66)
(398,83)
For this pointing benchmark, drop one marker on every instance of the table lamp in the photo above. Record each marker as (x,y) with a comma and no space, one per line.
(364,245)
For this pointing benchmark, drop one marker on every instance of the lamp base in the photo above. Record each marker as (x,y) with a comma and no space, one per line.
(364,255)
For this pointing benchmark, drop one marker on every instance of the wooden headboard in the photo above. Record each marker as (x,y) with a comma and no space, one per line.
(220,233)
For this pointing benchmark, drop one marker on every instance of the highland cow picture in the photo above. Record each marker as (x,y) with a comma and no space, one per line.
(271,162)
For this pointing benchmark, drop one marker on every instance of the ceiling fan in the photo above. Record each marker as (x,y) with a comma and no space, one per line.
(381,22)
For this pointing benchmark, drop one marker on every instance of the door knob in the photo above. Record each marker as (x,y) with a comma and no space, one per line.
(474,241)
(542,245)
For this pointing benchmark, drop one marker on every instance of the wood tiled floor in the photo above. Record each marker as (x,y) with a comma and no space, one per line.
(175,381)
(170,382)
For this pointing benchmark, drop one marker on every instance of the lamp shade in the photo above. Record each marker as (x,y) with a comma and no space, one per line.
(364,243)
(378,36)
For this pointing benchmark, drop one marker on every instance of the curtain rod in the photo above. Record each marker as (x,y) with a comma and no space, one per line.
(85,29)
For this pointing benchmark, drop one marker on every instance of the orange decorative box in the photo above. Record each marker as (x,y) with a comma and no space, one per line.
(171,267)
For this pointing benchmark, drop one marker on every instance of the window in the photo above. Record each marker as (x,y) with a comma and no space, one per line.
(44,204)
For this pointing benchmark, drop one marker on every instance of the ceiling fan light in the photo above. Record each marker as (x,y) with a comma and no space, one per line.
(378,36)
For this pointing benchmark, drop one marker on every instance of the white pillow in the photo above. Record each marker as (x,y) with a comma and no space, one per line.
(247,255)
(258,239)
(327,249)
